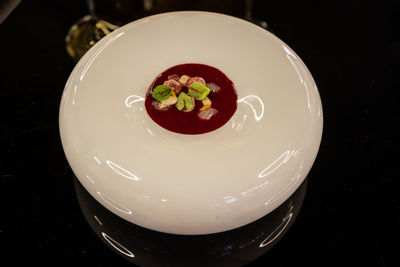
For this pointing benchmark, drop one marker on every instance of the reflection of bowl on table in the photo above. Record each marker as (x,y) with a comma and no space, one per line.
(150,248)
(140,171)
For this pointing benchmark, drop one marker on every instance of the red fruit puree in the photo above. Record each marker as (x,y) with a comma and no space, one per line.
(224,101)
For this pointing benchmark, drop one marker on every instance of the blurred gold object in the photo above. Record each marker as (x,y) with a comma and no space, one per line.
(90,29)
(85,33)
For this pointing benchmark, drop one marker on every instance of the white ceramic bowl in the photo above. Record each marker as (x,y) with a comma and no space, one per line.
(190,184)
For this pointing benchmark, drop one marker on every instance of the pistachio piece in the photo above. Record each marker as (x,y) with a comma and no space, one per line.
(189,107)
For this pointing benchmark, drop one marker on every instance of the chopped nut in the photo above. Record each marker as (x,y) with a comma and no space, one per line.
(206,101)
(184,79)
(168,102)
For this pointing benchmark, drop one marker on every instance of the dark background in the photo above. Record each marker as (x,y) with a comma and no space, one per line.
(351,211)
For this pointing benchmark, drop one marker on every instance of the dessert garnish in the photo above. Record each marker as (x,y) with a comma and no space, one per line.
(185,93)
(191,98)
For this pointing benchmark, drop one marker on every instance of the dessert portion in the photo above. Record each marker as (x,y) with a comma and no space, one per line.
(195,92)
(191,99)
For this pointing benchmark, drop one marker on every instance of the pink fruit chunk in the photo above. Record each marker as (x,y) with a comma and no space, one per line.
(213,87)
(173,77)
(174,84)
(194,104)
(207,113)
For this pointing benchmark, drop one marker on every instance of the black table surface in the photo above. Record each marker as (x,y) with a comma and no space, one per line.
(351,210)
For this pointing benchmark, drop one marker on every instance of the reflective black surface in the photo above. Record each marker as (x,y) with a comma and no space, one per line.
(150,248)
(351,210)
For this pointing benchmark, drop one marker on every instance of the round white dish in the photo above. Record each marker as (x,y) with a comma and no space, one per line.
(190,184)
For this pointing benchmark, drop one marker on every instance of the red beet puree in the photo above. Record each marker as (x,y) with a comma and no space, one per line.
(224,101)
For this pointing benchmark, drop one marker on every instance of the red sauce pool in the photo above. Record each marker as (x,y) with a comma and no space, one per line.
(188,122)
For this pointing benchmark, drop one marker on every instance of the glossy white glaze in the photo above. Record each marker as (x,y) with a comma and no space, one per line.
(186,184)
